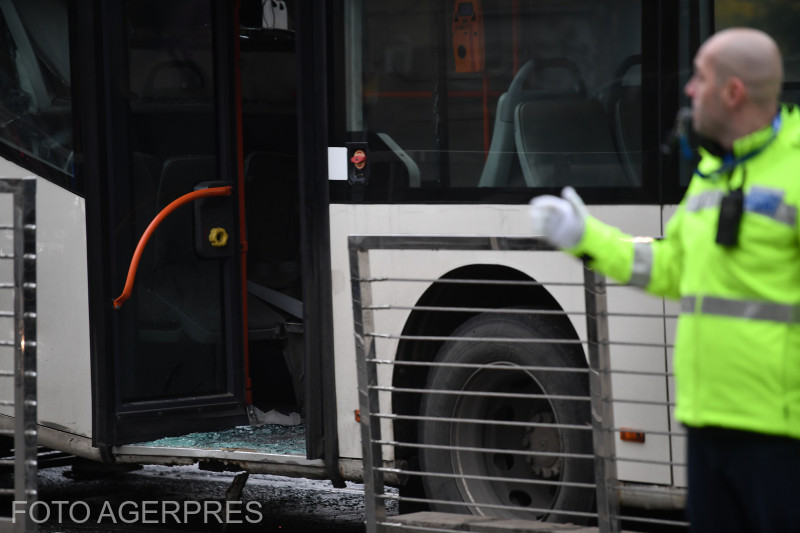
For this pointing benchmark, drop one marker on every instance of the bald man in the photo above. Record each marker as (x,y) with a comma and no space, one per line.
(731,256)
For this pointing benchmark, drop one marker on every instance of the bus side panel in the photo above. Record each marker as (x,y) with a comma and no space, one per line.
(64,382)
(502,220)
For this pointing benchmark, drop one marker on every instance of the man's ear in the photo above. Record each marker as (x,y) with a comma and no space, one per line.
(734,93)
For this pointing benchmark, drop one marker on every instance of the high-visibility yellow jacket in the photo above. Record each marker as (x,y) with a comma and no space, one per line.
(737,346)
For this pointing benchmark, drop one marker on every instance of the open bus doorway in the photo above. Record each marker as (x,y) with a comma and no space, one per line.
(211,338)
(272,206)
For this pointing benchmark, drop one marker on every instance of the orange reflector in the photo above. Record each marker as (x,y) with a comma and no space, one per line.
(358,415)
(631,435)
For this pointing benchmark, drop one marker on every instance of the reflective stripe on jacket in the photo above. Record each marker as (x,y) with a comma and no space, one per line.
(737,346)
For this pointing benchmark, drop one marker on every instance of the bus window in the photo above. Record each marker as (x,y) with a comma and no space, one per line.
(771,18)
(555,102)
(35,103)
(173,336)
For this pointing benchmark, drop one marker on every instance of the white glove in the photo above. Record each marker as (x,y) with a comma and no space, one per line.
(560,220)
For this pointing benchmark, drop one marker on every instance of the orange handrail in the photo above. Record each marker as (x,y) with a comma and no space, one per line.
(168,210)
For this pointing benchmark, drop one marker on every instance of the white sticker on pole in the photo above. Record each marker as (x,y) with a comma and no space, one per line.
(337,163)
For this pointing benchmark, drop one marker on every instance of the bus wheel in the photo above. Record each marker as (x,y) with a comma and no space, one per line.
(503,477)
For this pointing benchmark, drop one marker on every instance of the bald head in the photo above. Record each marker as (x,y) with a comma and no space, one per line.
(736,85)
(753,57)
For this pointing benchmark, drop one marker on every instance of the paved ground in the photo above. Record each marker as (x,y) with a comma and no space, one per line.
(458,522)
(156,499)
(186,499)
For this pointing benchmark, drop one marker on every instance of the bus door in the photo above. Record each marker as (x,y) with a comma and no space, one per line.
(177,350)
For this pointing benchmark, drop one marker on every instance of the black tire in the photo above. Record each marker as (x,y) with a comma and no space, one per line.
(524,497)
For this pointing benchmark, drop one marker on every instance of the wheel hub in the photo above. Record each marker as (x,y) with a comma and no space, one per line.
(543,439)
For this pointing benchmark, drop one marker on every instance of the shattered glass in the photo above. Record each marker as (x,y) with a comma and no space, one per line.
(273,439)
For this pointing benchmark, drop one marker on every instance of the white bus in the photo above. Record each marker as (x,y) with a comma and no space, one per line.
(314,121)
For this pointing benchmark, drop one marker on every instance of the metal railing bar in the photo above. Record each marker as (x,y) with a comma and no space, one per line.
(666,489)
(658,521)
(669,490)
(605,470)
(467,281)
(499,311)
(446,338)
(479,366)
(492,478)
(634,401)
(392,416)
(488,506)
(506,311)
(613,314)
(648,488)
(531,340)
(654,432)
(477,281)
(6,373)
(640,344)
(513,367)
(7,343)
(413,527)
(498,451)
(480,394)
(647,462)
(526,453)
(642,373)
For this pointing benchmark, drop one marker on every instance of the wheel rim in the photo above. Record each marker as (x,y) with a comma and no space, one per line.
(524,498)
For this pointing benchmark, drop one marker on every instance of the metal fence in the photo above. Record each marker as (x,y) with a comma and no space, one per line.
(513,419)
(18,341)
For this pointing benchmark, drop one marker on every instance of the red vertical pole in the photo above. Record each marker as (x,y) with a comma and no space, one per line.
(486,128)
(242,215)
(515,35)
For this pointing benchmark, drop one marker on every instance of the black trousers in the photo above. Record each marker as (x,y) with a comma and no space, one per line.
(743,482)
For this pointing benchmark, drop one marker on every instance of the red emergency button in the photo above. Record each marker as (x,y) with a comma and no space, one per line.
(359,159)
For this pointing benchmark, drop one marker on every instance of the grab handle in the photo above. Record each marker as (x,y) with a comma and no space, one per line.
(159,218)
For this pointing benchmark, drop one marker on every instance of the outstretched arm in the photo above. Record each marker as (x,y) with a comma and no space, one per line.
(653,265)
